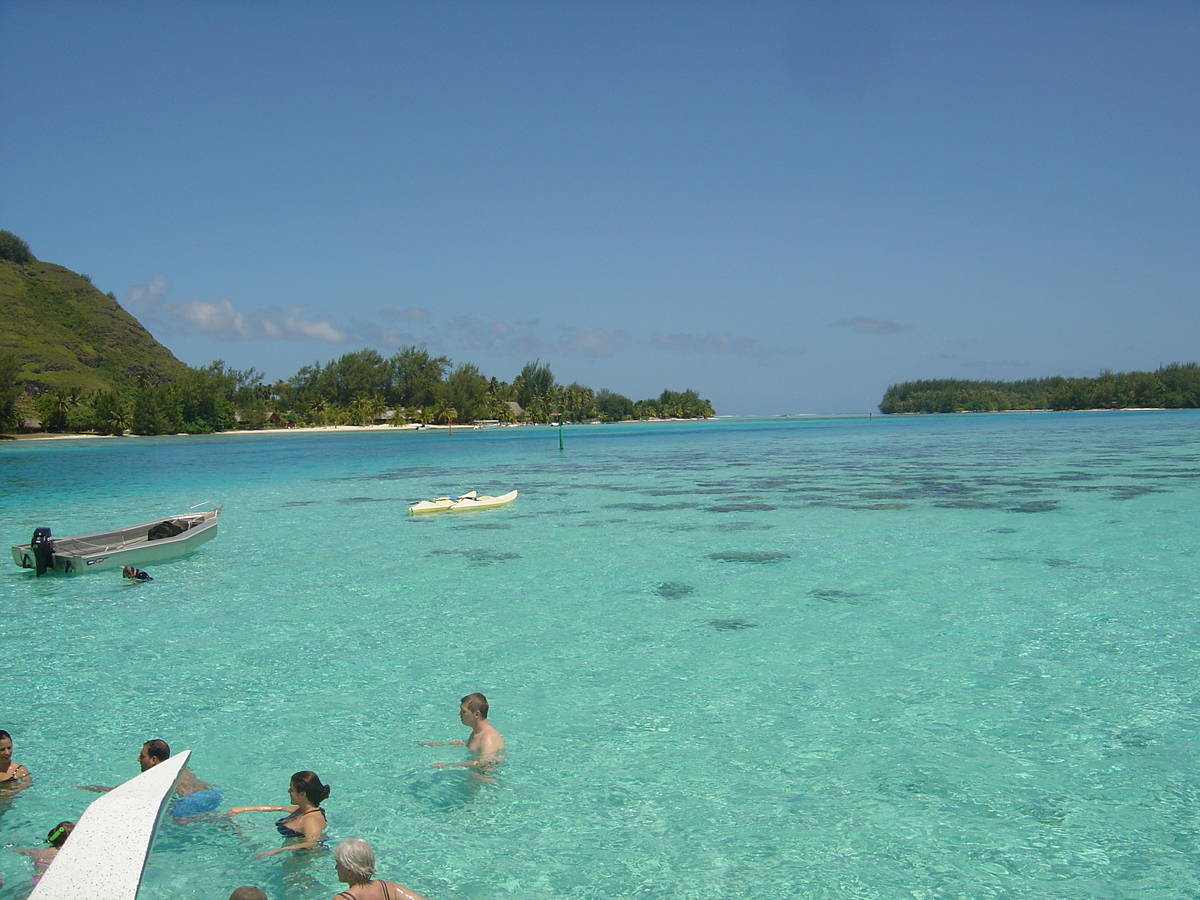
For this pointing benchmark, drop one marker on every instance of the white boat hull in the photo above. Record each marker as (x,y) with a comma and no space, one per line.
(129,546)
(441,504)
(484,502)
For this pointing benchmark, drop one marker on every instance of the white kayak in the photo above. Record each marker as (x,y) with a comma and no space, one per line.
(441,504)
(484,502)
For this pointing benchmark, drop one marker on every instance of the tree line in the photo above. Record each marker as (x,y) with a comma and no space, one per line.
(1176,386)
(358,388)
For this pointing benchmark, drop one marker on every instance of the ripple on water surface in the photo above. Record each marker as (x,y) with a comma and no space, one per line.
(717,674)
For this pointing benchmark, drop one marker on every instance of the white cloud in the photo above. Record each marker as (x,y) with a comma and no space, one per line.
(499,338)
(219,320)
(524,339)
(224,321)
(594,341)
(311,329)
(150,294)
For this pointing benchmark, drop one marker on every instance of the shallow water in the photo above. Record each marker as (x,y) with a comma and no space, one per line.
(919,657)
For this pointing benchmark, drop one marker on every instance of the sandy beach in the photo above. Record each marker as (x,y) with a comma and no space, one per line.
(47,436)
(344,429)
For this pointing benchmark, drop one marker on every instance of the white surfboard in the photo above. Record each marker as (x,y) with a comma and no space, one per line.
(105,855)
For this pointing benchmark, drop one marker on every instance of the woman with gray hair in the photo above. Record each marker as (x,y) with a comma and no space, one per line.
(356,867)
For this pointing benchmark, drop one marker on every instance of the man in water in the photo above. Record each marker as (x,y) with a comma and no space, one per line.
(136,575)
(485,741)
(195,796)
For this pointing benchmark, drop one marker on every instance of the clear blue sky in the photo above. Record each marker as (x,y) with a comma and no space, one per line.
(785,206)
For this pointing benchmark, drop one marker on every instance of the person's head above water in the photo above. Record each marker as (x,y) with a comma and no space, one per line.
(59,833)
(248,892)
(475,703)
(308,784)
(356,858)
(152,753)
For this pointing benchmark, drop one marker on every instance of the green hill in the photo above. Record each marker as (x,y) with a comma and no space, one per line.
(67,334)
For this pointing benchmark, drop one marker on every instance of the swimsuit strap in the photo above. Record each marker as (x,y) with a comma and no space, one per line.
(386,893)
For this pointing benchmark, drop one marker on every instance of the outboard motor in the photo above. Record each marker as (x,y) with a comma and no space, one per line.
(43,551)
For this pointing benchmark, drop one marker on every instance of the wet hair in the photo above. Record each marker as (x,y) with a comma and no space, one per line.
(356,857)
(4,734)
(248,892)
(476,703)
(59,833)
(308,784)
(157,749)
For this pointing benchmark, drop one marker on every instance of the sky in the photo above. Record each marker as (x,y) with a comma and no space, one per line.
(786,207)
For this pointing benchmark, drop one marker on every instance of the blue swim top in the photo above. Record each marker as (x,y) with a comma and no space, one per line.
(288,832)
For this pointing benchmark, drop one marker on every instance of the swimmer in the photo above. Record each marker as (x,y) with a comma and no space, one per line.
(13,776)
(485,741)
(43,856)
(135,574)
(195,796)
(304,825)
(356,867)
(248,892)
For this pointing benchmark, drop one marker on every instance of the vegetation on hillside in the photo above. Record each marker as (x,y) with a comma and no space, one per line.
(14,250)
(1176,386)
(65,334)
(74,360)
(358,388)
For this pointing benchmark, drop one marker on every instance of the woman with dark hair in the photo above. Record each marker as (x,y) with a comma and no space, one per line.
(356,868)
(304,824)
(13,775)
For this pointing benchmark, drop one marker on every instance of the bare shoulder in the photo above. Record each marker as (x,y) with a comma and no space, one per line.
(491,743)
(404,893)
(188,783)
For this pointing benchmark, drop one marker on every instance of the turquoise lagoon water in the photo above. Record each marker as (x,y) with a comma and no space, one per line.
(942,657)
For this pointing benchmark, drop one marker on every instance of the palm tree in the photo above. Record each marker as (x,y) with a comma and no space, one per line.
(61,404)
(357,412)
(117,420)
(318,411)
(374,407)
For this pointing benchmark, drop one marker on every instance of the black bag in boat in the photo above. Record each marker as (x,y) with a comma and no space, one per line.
(164,530)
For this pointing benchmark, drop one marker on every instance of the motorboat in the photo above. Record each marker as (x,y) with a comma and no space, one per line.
(484,502)
(132,545)
(441,504)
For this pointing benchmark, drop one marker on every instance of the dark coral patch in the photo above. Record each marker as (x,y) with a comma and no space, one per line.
(750,556)
(731,624)
(1035,506)
(832,595)
(739,507)
(673,590)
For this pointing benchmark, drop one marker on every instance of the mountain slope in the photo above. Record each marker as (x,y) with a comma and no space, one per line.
(67,334)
